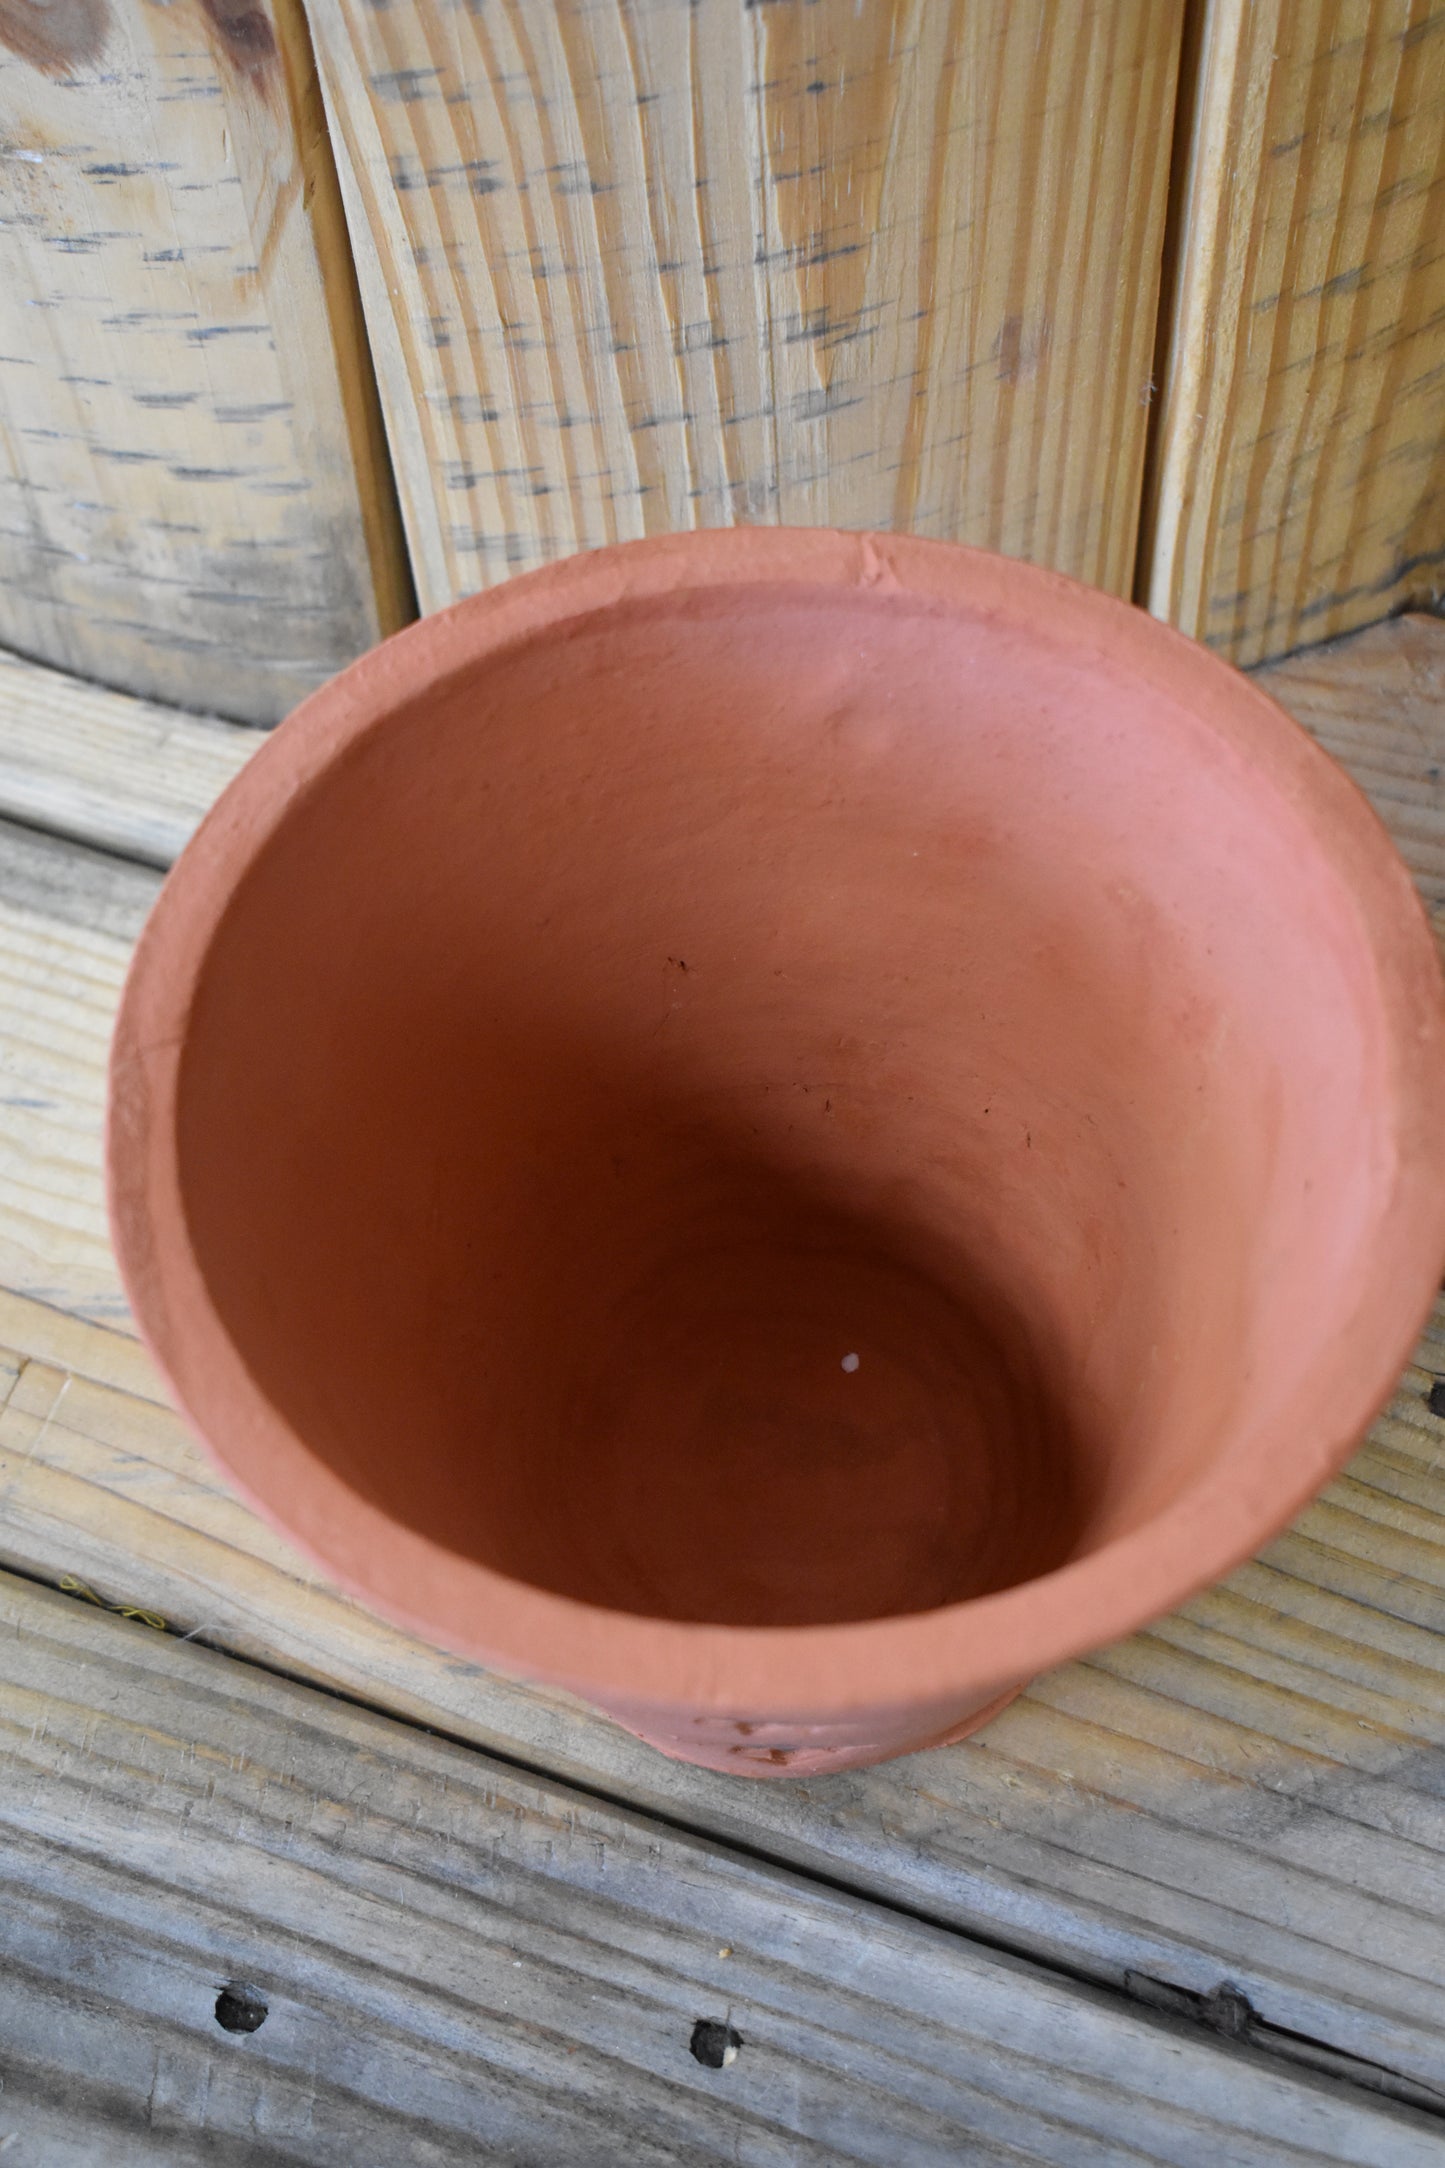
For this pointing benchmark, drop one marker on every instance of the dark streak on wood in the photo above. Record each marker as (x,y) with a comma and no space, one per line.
(1019,348)
(244,36)
(59,37)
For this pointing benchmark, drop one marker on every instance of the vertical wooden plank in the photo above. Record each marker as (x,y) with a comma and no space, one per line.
(642,265)
(1299,481)
(193,492)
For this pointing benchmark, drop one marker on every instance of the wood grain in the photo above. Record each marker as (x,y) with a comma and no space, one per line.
(193,499)
(1299,475)
(130,776)
(457,1961)
(643,265)
(68,920)
(1376,700)
(1250,1793)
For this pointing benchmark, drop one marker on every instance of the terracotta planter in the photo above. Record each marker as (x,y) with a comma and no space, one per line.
(783,1129)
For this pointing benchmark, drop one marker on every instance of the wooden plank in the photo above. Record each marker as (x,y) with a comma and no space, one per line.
(1377,702)
(68,920)
(451,1955)
(1299,476)
(127,775)
(1249,1793)
(194,498)
(633,266)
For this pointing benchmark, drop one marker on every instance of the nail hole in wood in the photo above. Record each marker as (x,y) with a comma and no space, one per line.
(1435,1398)
(239,2009)
(714,2044)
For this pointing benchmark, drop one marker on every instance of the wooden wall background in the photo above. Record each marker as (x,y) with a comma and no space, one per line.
(1299,469)
(1149,290)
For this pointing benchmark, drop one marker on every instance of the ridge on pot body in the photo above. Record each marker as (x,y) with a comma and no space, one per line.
(782,1129)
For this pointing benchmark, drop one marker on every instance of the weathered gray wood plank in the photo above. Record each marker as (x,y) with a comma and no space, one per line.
(461,1961)
(52,881)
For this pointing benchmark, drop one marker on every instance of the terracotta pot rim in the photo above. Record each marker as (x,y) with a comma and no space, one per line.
(1250,1493)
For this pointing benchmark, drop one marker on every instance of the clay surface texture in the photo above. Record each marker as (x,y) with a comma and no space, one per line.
(730,1125)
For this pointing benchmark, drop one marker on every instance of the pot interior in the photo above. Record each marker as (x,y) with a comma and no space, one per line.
(781,1106)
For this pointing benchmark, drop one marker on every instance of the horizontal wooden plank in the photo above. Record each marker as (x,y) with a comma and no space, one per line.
(445,1955)
(1376,700)
(51,883)
(68,919)
(644,265)
(1249,1793)
(127,775)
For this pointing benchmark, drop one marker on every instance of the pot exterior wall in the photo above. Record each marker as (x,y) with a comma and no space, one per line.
(737,1748)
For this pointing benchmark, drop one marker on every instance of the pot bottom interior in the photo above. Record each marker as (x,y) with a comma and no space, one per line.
(788,1421)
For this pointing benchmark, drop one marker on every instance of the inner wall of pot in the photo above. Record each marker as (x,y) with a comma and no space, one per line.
(781,1108)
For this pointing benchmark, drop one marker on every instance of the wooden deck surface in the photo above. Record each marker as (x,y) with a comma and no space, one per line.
(457,1960)
(1184,1901)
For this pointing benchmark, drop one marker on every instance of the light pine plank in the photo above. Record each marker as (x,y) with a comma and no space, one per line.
(194,502)
(129,776)
(633,266)
(1249,1793)
(1300,469)
(454,1956)
(68,920)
